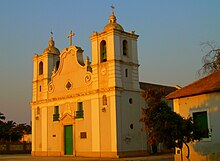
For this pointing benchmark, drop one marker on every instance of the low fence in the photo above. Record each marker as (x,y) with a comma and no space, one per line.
(15,148)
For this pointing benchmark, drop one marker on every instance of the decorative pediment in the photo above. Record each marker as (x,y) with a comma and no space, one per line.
(73,75)
(67,119)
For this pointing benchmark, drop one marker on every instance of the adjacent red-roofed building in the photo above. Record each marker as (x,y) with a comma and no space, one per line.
(201,101)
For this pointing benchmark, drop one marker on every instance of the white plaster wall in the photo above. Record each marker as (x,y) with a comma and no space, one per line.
(54,131)
(211,103)
(95,121)
(127,114)
(44,129)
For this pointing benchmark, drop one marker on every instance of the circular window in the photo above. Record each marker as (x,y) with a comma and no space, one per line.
(130,100)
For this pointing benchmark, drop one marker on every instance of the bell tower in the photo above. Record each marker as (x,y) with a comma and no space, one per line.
(43,66)
(116,80)
(114,55)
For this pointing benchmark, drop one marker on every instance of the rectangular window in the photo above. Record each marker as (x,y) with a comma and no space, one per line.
(104,100)
(56,114)
(126,72)
(83,135)
(201,119)
(79,112)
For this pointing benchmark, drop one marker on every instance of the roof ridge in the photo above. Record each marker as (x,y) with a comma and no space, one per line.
(200,86)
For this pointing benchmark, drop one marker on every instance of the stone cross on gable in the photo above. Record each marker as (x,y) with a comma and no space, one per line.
(70,37)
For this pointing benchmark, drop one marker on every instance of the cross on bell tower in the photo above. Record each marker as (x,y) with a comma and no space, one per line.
(51,33)
(113,8)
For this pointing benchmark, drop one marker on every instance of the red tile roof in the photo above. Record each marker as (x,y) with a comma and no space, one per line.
(208,84)
(167,89)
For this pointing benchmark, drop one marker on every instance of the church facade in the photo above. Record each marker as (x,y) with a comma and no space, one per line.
(84,108)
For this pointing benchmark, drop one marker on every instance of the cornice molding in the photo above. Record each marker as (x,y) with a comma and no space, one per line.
(117,61)
(120,89)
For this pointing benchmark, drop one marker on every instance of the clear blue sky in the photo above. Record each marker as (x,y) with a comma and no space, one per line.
(168,47)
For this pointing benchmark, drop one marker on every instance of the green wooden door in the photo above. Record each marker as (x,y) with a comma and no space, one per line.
(68,140)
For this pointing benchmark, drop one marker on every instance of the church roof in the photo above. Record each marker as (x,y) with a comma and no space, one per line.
(113,24)
(51,47)
(208,84)
(167,89)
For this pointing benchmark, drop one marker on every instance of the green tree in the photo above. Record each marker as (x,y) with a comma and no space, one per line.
(2,117)
(14,132)
(2,124)
(22,129)
(164,125)
(10,131)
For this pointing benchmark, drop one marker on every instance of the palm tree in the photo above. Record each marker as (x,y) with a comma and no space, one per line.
(21,130)
(2,117)
(2,125)
(9,128)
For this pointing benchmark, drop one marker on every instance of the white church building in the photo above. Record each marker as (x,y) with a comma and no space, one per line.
(84,108)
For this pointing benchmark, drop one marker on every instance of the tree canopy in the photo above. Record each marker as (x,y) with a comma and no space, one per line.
(2,116)
(164,125)
(10,131)
(211,59)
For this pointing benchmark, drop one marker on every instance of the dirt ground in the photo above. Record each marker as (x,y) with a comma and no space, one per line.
(166,157)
